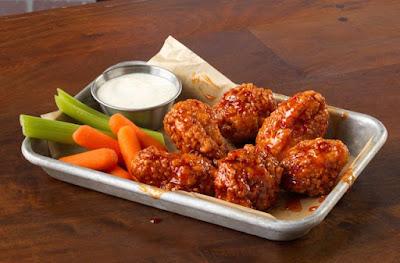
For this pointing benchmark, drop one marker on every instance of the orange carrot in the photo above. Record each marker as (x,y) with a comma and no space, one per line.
(100,159)
(129,144)
(120,172)
(117,121)
(91,139)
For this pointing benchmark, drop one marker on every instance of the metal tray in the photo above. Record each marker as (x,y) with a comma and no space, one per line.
(363,134)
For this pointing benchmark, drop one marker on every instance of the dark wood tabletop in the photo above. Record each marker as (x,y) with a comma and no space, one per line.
(349,51)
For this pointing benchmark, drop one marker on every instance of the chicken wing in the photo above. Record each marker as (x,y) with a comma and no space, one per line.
(242,110)
(193,129)
(312,167)
(174,171)
(302,117)
(248,177)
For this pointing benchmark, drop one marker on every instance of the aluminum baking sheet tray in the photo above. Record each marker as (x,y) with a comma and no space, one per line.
(364,135)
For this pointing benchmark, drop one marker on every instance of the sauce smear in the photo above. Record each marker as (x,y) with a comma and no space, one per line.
(155,220)
(293,204)
(136,91)
(348,177)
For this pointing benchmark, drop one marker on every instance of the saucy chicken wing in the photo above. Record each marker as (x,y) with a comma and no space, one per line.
(242,110)
(248,177)
(312,167)
(174,171)
(302,117)
(193,129)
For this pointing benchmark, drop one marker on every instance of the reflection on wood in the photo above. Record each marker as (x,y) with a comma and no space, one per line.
(10,7)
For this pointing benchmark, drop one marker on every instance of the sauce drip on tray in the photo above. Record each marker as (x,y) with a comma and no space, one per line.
(293,204)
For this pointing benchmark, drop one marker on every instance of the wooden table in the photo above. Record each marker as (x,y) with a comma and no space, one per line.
(349,51)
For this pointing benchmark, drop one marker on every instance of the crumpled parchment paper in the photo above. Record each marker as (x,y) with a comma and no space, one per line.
(199,79)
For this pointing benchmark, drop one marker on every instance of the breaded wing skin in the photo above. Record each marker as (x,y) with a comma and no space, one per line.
(193,129)
(312,167)
(152,166)
(302,117)
(174,171)
(242,110)
(192,173)
(248,177)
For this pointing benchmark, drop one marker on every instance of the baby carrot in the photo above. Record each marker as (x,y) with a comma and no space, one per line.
(91,139)
(120,172)
(128,143)
(117,121)
(100,159)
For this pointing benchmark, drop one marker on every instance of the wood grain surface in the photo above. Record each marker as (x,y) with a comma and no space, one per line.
(348,50)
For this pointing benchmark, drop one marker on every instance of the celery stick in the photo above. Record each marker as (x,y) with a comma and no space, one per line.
(52,130)
(81,115)
(155,134)
(82,106)
(57,131)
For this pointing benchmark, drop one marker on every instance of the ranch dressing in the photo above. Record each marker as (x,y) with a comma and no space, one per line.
(136,90)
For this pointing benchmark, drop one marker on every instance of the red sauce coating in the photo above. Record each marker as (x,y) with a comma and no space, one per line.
(174,171)
(242,110)
(312,167)
(248,177)
(304,116)
(193,129)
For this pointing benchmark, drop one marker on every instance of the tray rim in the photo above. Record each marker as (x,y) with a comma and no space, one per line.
(277,224)
(235,211)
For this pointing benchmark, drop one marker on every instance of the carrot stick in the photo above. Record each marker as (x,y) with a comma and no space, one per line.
(117,121)
(91,139)
(129,144)
(120,172)
(100,159)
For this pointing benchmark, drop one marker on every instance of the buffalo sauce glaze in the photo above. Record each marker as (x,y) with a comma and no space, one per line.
(293,204)
(155,220)
(348,177)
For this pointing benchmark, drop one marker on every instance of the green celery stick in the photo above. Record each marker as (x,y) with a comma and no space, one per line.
(57,131)
(155,134)
(81,115)
(82,106)
(52,130)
